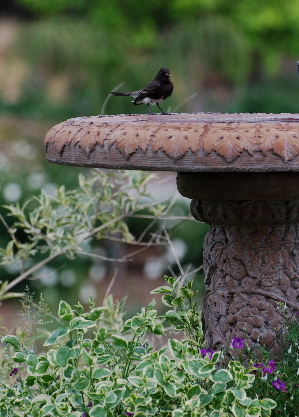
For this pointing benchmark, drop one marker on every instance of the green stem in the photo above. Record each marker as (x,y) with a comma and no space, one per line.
(81,239)
(129,360)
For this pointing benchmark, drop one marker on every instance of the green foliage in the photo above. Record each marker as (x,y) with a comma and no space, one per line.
(88,369)
(55,226)
(255,98)
(281,380)
(40,234)
(267,25)
(61,49)
(196,43)
(212,47)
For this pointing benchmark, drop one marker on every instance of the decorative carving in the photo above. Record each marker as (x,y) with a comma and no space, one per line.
(282,140)
(182,140)
(230,140)
(251,267)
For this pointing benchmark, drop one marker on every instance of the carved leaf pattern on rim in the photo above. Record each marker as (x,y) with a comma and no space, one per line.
(74,133)
(173,142)
(196,137)
(284,141)
(129,142)
(89,139)
(160,136)
(231,141)
(175,138)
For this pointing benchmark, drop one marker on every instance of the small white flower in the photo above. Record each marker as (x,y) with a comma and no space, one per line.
(290,349)
(264,377)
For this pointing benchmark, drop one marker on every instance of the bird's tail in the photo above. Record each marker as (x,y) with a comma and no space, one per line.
(125,93)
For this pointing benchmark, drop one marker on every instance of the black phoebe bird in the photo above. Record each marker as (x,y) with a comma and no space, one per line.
(154,92)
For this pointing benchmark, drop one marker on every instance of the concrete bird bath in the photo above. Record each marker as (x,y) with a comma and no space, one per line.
(242,173)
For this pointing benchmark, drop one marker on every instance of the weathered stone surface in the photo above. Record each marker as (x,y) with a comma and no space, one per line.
(185,142)
(250,283)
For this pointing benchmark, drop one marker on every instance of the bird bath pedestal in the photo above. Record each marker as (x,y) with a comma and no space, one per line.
(242,173)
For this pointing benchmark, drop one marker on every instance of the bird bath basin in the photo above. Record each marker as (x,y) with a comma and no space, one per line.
(242,173)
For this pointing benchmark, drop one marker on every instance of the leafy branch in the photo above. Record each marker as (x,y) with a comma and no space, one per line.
(57,225)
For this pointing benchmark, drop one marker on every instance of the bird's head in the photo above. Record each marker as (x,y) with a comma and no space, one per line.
(163,74)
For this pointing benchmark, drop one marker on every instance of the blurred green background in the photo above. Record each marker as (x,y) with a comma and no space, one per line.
(60,58)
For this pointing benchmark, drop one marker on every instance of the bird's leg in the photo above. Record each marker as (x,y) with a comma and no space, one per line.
(148,107)
(163,112)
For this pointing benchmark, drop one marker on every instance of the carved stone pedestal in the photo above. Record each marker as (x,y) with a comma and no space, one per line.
(242,173)
(251,268)
(251,259)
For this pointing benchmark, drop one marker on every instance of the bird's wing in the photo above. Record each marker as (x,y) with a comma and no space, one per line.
(148,90)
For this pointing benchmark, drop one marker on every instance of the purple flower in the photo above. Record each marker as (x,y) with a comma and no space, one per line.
(237,342)
(258,365)
(207,352)
(14,371)
(203,352)
(129,414)
(278,384)
(88,405)
(270,368)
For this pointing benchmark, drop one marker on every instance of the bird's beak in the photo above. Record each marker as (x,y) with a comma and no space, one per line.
(168,75)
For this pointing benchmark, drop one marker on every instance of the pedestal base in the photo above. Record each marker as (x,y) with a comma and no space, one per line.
(251,268)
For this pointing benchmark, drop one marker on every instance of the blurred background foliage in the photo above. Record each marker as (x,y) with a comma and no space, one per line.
(60,59)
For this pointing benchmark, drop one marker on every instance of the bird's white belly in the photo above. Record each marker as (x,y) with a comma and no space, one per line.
(149,101)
